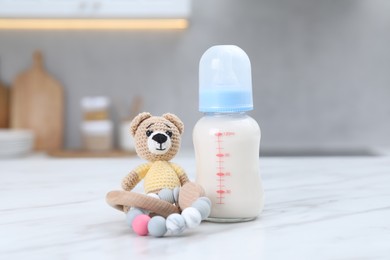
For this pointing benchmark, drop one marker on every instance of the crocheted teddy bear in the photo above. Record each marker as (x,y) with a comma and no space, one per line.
(169,193)
(157,139)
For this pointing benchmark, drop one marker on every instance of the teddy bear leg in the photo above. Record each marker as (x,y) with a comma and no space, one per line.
(167,195)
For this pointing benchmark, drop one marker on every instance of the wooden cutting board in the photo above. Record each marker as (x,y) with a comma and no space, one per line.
(4,106)
(37,104)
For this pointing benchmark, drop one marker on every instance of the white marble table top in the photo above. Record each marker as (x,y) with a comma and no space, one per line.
(316,208)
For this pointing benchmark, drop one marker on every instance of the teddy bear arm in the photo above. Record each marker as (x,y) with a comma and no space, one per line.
(130,181)
(183,179)
(135,176)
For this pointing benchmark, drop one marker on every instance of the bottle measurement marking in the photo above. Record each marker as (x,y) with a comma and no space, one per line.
(221,173)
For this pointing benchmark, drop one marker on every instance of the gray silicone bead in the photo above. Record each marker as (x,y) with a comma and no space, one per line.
(131,214)
(167,195)
(157,227)
(203,207)
(206,199)
(176,194)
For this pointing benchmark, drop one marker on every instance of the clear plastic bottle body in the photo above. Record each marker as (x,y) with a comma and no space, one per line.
(227,149)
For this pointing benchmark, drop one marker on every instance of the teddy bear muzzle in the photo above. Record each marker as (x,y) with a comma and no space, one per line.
(159,142)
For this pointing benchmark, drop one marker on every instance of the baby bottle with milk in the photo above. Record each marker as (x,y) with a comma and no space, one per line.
(226,139)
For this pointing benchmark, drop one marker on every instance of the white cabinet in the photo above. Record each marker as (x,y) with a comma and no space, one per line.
(95,8)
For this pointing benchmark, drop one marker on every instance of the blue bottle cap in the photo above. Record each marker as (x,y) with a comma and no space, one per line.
(225,81)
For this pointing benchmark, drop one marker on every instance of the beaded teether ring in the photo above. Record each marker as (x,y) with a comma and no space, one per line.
(174,224)
(158,214)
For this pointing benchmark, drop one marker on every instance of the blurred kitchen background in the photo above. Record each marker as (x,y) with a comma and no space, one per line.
(321,70)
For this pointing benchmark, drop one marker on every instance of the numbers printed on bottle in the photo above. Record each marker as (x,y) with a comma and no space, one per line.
(221,172)
(228,133)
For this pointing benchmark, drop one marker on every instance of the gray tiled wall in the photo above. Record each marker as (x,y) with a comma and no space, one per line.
(321,69)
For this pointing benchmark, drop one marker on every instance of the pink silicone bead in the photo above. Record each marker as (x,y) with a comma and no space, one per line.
(140,224)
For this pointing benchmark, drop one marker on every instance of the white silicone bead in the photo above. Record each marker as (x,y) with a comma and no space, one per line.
(153,195)
(192,217)
(175,224)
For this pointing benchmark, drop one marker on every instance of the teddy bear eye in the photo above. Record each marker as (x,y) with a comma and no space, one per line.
(149,133)
(169,133)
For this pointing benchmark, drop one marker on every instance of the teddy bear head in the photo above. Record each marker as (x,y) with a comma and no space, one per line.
(156,138)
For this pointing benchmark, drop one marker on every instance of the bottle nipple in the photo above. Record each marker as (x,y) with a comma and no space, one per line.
(224,74)
(225,81)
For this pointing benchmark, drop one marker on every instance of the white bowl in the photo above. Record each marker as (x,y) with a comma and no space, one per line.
(15,142)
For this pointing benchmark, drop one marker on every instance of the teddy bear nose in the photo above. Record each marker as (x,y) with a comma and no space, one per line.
(159,138)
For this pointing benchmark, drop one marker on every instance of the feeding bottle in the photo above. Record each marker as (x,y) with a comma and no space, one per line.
(226,139)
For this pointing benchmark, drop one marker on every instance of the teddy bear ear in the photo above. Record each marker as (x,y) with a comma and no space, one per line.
(137,121)
(175,120)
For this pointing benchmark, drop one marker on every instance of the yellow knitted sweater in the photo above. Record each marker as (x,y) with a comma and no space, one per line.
(159,174)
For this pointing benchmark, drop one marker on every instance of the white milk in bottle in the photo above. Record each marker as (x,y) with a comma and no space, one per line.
(226,140)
